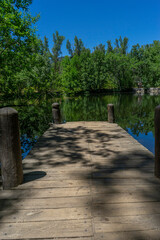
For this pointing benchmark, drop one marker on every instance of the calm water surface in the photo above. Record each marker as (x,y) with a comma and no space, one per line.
(133,113)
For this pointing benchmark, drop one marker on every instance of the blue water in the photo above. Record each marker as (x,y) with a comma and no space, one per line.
(147,140)
(27,144)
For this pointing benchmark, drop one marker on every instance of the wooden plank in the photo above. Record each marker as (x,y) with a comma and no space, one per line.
(60,170)
(101,212)
(75,238)
(39,215)
(134,189)
(52,158)
(128,223)
(68,154)
(116,149)
(122,227)
(129,173)
(58,164)
(92,124)
(59,175)
(130,235)
(127,197)
(54,184)
(115,163)
(48,229)
(123,156)
(45,193)
(45,203)
(122,181)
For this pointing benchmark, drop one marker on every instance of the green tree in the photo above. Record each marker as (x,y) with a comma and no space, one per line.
(118,70)
(86,70)
(78,46)
(70,77)
(121,45)
(69,48)
(99,75)
(56,50)
(109,47)
(17,37)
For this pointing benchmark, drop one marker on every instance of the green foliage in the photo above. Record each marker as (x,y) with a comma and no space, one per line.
(78,44)
(86,70)
(109,47)
(113,68)
(56,50)
(17,38)
(119,67)
(146,64)
(99,75)
(27,65)
(69,48)
(70,74)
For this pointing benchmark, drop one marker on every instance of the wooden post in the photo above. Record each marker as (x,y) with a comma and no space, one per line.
(10,149)
(56,113)
(110,108)
(157,141)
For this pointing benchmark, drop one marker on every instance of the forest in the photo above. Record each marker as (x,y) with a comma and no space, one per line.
(28,66)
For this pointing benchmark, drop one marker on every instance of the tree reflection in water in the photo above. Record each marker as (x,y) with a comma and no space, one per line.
(133,113)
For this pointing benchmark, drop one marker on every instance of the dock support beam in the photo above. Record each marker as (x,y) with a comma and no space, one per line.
(157,142)
(111,118)
(10,149)
(56,113)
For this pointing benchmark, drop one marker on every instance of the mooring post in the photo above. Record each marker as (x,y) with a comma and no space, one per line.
(10,148)
(56,113)
(111,118)
(157,141)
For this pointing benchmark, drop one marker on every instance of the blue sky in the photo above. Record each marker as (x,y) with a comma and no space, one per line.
(96,21)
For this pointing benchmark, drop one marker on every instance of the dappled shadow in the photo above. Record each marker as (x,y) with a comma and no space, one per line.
(11,201)
(68,146)
(124,195)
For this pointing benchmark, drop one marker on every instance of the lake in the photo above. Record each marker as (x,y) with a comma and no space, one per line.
(133,113)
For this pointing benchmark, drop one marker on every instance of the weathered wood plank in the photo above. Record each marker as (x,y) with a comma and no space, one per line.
(61,175)
(116,157)
(45,193)
(40,184)
(130,235)
(75,238)
(127,197)
(122,227)
(129,173)
(58,164)
(138,163)
(48,229)
(122,181)
(60,171)
(45,203)
(39,215)
(128,223)
(101,212)
(135,189)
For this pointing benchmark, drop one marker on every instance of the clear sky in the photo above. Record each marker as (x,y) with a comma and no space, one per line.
(96,21)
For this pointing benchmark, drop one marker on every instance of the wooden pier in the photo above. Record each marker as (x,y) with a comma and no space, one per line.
(83,181)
